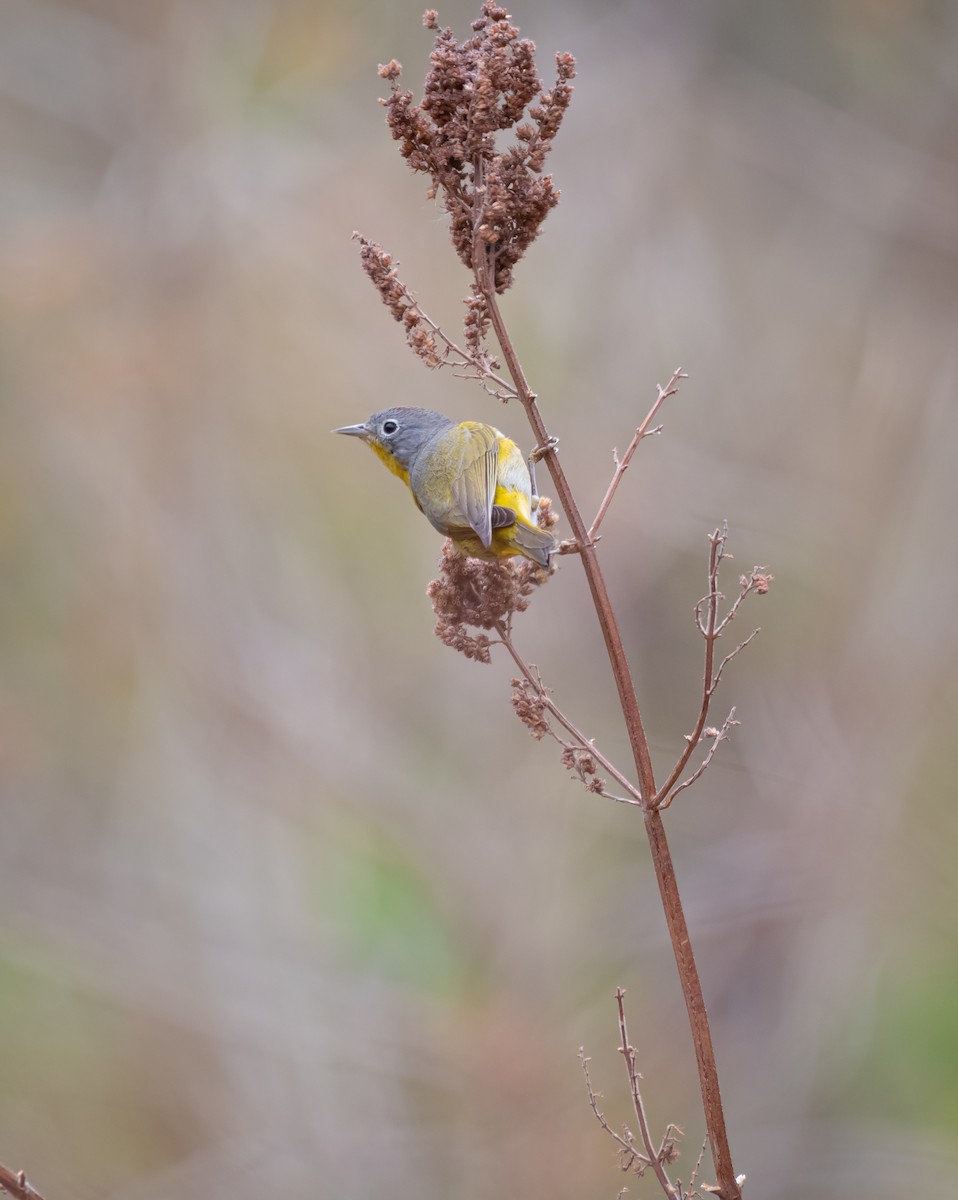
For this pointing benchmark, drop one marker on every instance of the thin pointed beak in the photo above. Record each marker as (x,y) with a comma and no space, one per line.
(354,430)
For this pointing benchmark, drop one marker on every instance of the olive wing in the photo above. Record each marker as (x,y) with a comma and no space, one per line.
(474,486)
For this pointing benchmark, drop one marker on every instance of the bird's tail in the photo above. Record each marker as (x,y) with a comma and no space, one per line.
(535,543)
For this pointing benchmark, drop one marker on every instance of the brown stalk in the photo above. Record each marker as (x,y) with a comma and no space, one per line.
(728,1186)
(17,1184)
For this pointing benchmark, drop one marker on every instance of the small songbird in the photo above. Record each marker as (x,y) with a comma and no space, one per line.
(470,480)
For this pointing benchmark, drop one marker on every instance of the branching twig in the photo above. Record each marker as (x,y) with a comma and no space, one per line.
(17,1184)
(718,736)
(711,627)
(643,431)
(666,1152)
(631,1157)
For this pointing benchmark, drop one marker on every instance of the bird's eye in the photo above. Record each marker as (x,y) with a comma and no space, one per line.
(390,427)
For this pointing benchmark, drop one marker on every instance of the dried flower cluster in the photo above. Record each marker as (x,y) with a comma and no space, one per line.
(759,581)
(546,515)
(476,323)
(474,592)
(585,766)
(496,198)
(529,704)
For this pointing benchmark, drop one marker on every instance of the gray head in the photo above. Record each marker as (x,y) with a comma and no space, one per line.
(398,434)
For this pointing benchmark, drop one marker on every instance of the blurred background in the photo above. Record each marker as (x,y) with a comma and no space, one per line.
(289,900)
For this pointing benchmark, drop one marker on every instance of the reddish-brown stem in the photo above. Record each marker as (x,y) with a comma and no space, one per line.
(586,548)
(17,1184)
(728,1187)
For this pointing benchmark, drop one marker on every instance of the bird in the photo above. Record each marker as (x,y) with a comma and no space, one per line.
(468,479)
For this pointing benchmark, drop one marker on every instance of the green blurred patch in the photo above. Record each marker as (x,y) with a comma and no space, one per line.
(384,913)
(908,1072)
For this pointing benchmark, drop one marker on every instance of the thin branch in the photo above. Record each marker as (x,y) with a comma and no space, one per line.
(17,1184)
(758,581)
(483,369)
(728,658)
(707,628)
(586,743)
(718,736)
(665,1152)
(626,1143)
(643,431)
(711,628)
(693,1178)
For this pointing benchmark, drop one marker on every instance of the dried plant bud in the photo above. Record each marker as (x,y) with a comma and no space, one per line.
(759,581)
(391,71)
(585,766)
(529,704)
(481,594)
(475,326)
(474,90)
(669,1151)
(546,516)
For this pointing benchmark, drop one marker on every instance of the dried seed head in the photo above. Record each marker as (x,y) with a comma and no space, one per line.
(480,594)
(495,198)
(585,766)
(759,581)
(529,704)
(546,516)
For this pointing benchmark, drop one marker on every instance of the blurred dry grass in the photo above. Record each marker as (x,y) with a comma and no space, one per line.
(270,918)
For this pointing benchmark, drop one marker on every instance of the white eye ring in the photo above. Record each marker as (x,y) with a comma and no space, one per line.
(390,427)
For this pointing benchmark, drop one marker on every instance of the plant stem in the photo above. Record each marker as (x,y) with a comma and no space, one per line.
(729,1189)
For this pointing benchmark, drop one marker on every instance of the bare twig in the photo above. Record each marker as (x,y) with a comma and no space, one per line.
(17,1184)
(666,1152)
(631,1157)
(693,1178)
(643,431)
(711,627)
(728,658)
(718,736)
